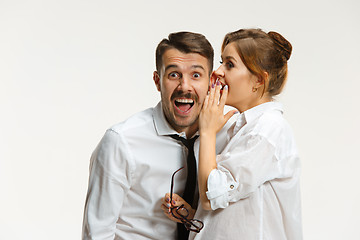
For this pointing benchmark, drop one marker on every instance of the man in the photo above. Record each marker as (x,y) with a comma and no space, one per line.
(131,167)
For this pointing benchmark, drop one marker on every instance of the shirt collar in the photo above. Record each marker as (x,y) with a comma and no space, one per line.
(255,112)
(162,126)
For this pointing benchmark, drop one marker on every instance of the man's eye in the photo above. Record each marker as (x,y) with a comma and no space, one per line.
(196,75)
(174,75)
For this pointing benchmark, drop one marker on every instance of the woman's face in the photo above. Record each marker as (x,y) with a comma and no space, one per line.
(240,81)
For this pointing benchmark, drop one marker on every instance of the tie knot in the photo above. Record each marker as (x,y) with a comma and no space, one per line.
(188,143)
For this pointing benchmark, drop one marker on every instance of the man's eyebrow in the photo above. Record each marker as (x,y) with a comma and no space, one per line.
(176,66)
(170,66)
(198,66)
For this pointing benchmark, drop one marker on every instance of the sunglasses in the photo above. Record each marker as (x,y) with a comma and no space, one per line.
(181,213)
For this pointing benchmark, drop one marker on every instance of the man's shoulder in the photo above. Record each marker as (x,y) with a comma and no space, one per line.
(138,121)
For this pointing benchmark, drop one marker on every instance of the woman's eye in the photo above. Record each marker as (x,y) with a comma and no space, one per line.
(173,75)
(229,64)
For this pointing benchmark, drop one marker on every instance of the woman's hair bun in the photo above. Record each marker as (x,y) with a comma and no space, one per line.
(283,45)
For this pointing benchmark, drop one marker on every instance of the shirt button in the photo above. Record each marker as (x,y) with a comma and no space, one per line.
(231,186)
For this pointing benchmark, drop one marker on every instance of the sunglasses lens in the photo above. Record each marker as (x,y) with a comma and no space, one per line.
(194,225)
(182,211)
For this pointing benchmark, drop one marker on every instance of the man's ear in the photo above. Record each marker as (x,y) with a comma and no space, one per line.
(213,78)
(156,78)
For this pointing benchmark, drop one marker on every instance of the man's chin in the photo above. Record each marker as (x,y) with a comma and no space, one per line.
(179,121)
(185,122)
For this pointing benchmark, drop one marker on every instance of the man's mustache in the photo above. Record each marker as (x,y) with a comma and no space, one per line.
(181,94)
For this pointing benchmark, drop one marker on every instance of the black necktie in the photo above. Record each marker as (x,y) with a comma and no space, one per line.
(190,185)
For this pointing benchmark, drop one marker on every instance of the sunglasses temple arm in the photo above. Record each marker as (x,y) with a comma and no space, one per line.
(172,184)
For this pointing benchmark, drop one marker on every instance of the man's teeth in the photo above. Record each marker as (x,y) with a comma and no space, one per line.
(184,100)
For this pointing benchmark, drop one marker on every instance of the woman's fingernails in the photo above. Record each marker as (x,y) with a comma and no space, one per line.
(168,205)
(217,83)
(226,87)
(167,199)
(173,202)
(212,85)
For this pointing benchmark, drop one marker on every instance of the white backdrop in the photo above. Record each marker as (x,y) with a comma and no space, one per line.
(70,69)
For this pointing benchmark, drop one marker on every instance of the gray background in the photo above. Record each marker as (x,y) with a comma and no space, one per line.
(70,69)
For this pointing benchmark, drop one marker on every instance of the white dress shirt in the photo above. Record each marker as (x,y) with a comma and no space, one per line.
(254,191)
(130,172)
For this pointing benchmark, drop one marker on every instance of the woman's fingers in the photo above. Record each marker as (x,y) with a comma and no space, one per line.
(169,214)
(214,95)
(177,200)
(169,209)
(206,102)
(165,208)
(166,203)
(211,95)
(217,93)
(223,96)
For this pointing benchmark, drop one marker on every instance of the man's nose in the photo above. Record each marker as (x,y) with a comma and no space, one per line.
(185,83)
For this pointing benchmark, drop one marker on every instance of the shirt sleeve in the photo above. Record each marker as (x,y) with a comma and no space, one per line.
(241,170)
(109,181)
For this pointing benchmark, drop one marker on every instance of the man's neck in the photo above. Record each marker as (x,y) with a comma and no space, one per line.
(189,131)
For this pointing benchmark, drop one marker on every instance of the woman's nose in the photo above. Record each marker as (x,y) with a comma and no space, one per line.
(219,72)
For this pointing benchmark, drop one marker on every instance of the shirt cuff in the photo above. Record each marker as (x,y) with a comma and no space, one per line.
(219,185)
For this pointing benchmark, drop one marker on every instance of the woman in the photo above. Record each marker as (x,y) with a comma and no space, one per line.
(251,190)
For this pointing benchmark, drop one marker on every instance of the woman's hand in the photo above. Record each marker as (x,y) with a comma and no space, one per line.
(212,117)
(177,201)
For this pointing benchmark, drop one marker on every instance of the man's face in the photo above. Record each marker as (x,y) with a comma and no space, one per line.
(183,82)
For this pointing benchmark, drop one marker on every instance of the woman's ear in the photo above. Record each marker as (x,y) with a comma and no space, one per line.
(262,81)
(156,79)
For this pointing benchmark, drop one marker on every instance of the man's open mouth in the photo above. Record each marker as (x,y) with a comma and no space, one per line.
(184,104)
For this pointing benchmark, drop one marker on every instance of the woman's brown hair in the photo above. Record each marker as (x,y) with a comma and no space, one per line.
(263,52)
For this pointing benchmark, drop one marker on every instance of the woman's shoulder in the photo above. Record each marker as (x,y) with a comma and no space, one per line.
(273,126)
(276,130)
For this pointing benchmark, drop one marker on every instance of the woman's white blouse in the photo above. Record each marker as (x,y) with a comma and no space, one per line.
(255,192)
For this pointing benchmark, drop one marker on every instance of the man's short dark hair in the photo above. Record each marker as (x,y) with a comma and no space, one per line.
(186,42)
